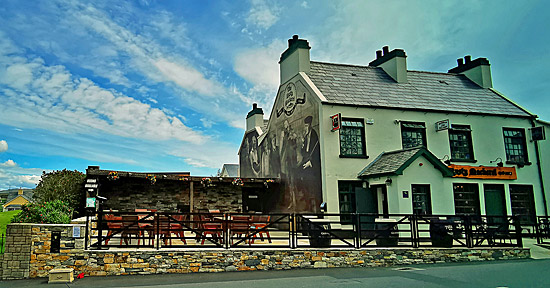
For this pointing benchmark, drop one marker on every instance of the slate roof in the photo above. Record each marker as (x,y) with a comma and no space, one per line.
(232,170)
(27,194)
(394,162)
(371,86)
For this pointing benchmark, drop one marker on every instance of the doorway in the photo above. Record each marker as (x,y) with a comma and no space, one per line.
(495,202)
(381,195)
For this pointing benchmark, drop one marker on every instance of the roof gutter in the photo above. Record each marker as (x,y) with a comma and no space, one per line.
(539,167)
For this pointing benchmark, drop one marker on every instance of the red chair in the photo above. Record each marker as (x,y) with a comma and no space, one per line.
(177,228)
(259,223)
(240,226)
(113,223)
(209,227)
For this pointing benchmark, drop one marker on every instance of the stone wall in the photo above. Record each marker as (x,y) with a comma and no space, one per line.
(127,194)
(17,253)
(28,255)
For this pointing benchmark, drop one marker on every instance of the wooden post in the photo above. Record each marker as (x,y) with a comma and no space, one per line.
(191,192)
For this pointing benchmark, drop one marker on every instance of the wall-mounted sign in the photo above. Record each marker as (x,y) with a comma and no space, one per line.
(369,121)
(442,125)
(88,185)
(537,133)
(76,231)
(336,122)
(482,172)
(90,202)
(405,194)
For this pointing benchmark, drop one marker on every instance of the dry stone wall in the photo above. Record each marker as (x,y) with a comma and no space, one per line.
(28,256)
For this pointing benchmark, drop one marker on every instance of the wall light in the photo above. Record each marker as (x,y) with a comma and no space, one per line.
(448,161)
(498,161)
(388,181)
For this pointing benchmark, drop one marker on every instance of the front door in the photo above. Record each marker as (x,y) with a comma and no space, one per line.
(495,203)
(367,203)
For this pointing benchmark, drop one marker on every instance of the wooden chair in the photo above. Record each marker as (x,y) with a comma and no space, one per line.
(130,227)
(240,226)
(177,228)
(259,224)
(210,227)
(114,223)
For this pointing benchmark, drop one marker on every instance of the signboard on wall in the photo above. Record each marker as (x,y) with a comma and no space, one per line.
(442,125)
(537,133)
(483,172)
(336,121)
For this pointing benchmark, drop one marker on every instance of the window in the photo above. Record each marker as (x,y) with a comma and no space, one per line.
(352,138)
(514,144)
(523,204)
(413,134)
(346,197)
(460,140)
(422,204)
(466,199)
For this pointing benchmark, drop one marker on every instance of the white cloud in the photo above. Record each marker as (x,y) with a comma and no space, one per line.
(3,146)
(262,15)
(55,100)
(187,77)
(305,5)
(260,67)
(15,176)
(9,163)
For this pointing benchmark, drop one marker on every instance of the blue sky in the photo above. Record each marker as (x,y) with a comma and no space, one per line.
(166,85)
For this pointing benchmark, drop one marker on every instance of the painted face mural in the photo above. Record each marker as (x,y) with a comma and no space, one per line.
(289,149)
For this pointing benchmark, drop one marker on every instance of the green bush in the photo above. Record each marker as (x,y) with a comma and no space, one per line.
(52,212)
(64,185)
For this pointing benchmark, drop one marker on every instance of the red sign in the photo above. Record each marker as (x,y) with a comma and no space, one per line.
(336,122)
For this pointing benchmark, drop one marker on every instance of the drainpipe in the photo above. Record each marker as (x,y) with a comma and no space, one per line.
(541,179)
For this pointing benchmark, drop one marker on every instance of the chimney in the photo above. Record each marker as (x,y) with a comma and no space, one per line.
(394,63)
(254,118)
(20,191)
(295,59)
(478,70)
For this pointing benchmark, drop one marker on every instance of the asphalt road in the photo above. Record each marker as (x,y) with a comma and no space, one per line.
(518,273)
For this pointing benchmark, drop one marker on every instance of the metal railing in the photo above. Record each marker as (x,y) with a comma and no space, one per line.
(2,243)
(158,230)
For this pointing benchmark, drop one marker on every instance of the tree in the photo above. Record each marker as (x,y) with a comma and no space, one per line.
(64,185)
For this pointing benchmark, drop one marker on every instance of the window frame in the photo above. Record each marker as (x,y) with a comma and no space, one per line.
(525,160)
(527,192)
(476,206)
(350,191)
(467,132)
(363,154)
(414,129)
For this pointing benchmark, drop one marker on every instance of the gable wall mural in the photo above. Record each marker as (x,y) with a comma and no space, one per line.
(289,150)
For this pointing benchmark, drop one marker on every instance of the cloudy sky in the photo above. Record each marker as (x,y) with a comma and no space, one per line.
(166,85)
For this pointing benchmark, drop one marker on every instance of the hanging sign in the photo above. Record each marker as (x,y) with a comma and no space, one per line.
(483,172)
(336,121)
(442,125)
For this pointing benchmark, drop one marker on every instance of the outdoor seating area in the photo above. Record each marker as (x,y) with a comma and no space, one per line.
(150,229)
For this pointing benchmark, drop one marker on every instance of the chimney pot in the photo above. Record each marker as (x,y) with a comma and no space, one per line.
(294,37)
(386,49)
(378,54)
(460,62)
(255,105)
(468,58)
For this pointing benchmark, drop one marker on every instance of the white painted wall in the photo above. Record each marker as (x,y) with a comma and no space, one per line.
(385,135)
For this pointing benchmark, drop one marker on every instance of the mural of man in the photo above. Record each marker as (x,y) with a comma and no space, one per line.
(310,167)
(254,156)
(288,161)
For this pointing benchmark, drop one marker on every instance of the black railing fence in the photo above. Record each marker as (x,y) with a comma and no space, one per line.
(159,230)
(2,242)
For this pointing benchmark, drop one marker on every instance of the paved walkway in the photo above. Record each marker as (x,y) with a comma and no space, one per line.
(537,251)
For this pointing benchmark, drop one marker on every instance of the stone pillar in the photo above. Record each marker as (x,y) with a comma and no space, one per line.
(17,255)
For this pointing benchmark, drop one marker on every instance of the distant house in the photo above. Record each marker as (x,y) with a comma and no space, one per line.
(230,170)
(17,198)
